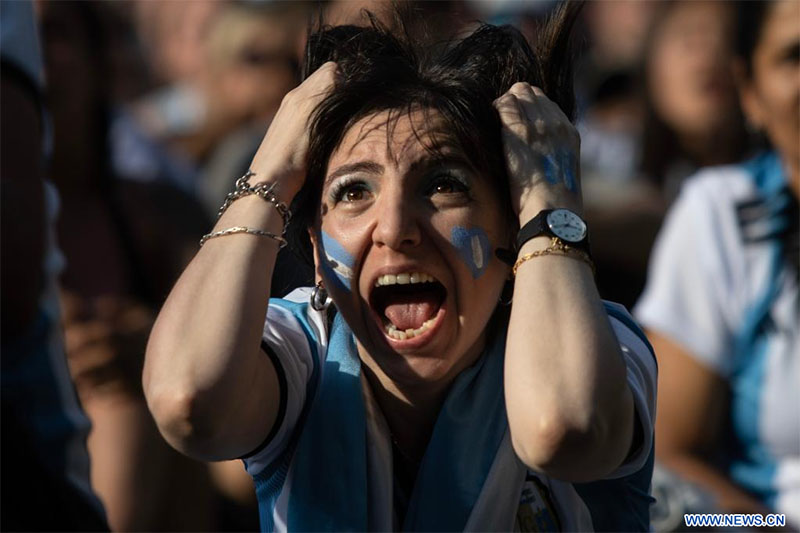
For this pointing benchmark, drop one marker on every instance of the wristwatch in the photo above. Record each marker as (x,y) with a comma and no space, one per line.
(560,223)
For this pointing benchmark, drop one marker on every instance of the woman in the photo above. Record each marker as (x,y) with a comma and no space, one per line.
(687,116)
(415,169)
(721,301)
(692,115)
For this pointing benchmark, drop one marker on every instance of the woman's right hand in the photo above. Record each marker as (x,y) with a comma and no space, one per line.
(283,152)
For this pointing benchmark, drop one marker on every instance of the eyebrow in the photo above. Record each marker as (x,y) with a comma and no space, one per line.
(360,166)
(440,160)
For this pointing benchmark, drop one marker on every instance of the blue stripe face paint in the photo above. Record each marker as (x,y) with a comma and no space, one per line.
(559,167)
(337,263)
(550,169)
(565,160)
(473,247)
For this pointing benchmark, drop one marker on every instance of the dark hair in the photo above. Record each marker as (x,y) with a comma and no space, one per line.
(750,24)
(400,69)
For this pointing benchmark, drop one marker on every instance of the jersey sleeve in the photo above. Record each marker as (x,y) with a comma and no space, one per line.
(688,279)
(642,377)
(294,338)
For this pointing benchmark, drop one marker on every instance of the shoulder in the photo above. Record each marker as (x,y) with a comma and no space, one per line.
(294,313)
(712,194)
(726,188)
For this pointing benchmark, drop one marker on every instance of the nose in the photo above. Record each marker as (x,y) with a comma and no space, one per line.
(396,225)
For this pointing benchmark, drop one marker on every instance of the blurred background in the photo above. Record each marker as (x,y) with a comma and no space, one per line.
(155,108)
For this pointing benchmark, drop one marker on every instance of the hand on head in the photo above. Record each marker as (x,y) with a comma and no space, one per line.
(541,148)
(284,151)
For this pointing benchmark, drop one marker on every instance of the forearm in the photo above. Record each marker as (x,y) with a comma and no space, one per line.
(213,392)
(569,407)
(205,378)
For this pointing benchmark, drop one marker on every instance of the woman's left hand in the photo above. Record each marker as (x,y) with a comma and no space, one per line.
(542,152)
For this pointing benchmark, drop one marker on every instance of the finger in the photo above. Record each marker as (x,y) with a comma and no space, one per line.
(539,101)
(523,91)
(537,91)
(533,112)
(508,108)
(512,115)
(545,114)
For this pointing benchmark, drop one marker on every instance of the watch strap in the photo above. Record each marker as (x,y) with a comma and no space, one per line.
(538,226)
(534,227)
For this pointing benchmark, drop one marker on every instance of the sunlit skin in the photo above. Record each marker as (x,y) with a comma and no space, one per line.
(392,205)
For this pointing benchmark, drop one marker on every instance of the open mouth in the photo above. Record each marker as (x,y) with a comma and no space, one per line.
(408,304)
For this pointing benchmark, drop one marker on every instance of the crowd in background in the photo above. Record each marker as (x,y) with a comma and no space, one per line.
(157,107)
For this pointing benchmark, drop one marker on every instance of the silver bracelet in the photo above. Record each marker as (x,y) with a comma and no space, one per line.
(243,188)
(242,229)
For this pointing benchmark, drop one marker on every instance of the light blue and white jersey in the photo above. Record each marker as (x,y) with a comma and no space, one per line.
(508,496)
(721,286)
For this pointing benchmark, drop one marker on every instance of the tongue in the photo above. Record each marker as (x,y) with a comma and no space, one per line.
(411,310)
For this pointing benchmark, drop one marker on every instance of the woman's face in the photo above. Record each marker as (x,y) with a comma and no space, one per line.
(405,244)
(771,96)
(690,80)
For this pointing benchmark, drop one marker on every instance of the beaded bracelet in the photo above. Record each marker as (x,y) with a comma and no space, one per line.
(265,190)
(557,247)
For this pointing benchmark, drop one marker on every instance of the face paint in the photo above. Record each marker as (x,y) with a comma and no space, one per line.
(565,161)
(559,168)
(337,263)
(550,169)
(473,246)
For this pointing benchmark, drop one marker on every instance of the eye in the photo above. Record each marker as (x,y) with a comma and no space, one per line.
(354,194)
(349,191)
(446,183)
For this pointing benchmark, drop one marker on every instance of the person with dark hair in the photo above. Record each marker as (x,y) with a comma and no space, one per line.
(434,379)
(721,303)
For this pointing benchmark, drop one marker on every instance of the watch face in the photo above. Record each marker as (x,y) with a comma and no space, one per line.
(566,225)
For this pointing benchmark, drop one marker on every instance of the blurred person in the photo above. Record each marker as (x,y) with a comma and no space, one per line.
(618,31)
(124,242)
(688,116)
(173,35)
(44,428)
(721,303)
(609,99)
(252,62)
(249,54)
(693,118)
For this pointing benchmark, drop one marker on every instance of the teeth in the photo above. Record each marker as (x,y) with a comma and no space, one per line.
(404,279)
(393,332)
